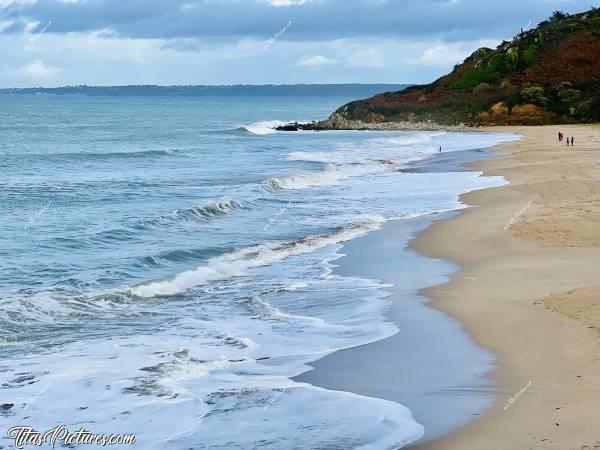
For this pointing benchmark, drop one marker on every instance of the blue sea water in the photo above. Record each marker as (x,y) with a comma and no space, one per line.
(165,266)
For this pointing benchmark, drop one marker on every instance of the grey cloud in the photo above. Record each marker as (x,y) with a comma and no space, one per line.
(311,21)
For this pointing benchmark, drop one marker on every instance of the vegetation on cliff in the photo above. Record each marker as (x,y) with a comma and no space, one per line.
(550,74)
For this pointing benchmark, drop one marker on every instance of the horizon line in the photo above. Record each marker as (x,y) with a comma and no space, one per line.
(200,85)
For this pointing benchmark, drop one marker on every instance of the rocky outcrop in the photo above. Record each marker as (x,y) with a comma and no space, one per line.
(339,122)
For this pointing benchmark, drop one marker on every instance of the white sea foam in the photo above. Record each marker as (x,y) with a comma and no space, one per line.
(295,286)
(239,263)
(265,127)
(332,175)
(222,383)
(398,150)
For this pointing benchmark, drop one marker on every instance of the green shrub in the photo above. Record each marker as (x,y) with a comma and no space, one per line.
(474,77)
(498,63)
(589,110)
(512,58)
(482,87)
(557,16)
(535,95)
(513,100)
(569,95)
(529,56)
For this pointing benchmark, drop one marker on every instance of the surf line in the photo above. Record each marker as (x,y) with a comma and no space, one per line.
(517,216)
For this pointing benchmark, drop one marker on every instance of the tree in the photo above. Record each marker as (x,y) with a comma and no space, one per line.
(558,16)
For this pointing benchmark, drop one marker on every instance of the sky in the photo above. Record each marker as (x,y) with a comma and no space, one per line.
(167,42)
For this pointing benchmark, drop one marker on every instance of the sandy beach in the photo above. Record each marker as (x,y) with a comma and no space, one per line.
(529,290)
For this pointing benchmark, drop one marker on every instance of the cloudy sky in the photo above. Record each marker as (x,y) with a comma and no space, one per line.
(111,42)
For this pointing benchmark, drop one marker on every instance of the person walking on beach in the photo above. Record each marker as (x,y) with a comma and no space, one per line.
(560,136)
(567,141)
(572,141)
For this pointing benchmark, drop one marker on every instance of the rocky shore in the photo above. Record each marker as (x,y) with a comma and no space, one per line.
(338,122)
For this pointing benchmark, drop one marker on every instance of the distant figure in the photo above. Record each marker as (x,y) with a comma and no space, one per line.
(572,141)
(440,149)
(560,136)
(567,141)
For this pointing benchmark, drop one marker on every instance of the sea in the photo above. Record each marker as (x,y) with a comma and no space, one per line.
(166,267)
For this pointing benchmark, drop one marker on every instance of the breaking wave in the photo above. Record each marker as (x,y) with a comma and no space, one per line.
(240,262)
(204,212)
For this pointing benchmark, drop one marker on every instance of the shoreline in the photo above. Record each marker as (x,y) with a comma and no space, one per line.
(427,338)
(404,367)
(527,290)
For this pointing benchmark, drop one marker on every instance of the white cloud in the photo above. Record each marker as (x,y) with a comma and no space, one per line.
(442,55)
(450,54)
(316,60)
(367,58)
(5,3)
(39,69)
(5,24)
(286,2)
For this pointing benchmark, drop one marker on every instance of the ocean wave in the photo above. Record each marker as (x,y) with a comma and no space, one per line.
(265,311)
(397,150)
(99,155)
(240,262)
(262,128)
(331,176)
(265,127)
(209,210)
(295,286)
(203,212)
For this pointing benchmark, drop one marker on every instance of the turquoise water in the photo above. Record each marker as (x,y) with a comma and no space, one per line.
(166,266)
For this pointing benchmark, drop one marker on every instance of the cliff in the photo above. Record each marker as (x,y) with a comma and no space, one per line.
(550,74)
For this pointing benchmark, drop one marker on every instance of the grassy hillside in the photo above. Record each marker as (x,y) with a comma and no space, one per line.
(550,74)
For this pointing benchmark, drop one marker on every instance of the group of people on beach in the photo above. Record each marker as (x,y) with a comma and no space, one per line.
(570,140)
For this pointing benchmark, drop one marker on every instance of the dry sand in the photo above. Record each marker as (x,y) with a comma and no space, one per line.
(530,290)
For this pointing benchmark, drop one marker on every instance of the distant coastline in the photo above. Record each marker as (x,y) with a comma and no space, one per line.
(237,90)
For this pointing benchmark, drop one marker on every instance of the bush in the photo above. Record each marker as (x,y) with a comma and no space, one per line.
(513,100)
(589,110)
(569,95)
(482,87)
(474,77)
(535,95)
(529,55)
(557,16)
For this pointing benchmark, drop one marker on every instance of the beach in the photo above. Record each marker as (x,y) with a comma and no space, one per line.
(525,289)
(528,290)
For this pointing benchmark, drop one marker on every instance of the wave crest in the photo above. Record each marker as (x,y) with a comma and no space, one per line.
(267,126)
(331,176)
(239,263)
(204,212)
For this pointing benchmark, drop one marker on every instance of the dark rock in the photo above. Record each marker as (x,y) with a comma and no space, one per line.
(296,126)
